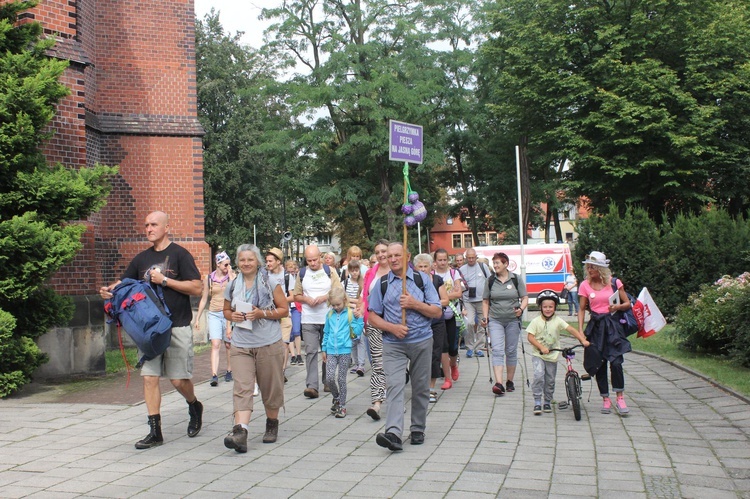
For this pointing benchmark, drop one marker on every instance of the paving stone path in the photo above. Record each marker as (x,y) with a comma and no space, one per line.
(683,438)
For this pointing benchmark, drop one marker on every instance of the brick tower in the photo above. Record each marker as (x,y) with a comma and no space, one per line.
(133,103)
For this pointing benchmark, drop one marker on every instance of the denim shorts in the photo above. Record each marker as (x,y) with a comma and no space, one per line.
(217,326)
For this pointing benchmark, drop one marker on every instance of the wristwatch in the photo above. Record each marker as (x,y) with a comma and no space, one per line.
(164,283)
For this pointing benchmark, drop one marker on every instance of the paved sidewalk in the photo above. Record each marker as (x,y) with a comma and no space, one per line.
(683,438)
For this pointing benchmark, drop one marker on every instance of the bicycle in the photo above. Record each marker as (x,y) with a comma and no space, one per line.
(572,381)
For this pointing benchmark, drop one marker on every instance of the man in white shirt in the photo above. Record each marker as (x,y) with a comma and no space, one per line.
(311,289)
(475,275)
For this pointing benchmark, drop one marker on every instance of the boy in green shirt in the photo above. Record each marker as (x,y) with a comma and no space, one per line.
(544,334)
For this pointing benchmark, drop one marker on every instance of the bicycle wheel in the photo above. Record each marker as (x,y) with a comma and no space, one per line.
(572,385)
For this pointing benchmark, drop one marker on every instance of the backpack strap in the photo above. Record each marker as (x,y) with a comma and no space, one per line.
(483,266)
(417,280)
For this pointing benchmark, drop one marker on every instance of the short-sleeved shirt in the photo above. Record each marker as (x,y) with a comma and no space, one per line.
(277,278)
(598,300)
(176,263)
(437,281)
(265,331)
(476,277)
(314,284)
(548,334)
(504,298)
(389,308)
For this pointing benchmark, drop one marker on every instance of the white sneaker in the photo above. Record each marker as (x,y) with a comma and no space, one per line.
(257,390)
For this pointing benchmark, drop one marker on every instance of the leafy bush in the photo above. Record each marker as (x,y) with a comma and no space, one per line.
(673,260)
(716,319)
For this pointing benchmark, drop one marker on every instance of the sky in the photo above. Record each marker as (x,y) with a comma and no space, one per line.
(239,15)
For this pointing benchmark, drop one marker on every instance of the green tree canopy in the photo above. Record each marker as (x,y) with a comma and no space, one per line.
(648,100)
(36,201)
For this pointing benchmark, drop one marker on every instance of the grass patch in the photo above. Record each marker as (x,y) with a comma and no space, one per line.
(115,364)
(720,369)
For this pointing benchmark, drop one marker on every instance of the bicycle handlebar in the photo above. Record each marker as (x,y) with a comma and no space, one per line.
(566,351)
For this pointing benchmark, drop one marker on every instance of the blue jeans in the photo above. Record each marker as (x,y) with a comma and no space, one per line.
(572,302)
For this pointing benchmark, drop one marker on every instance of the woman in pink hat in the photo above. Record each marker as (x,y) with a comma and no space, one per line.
(604,331)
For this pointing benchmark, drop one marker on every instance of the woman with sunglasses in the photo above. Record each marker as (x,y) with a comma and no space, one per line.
(219,329)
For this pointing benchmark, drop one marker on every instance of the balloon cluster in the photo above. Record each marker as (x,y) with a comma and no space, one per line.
(414,210)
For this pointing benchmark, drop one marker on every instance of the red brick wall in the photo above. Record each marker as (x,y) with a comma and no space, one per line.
(133,104)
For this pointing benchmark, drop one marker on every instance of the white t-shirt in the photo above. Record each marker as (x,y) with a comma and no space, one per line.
(316,283)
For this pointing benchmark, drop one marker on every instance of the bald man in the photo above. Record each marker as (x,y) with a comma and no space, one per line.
(311,290)
(172,267)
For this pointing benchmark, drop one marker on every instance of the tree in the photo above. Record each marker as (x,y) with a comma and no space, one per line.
(637,95)
(36,200)
(362,63)
(254,168)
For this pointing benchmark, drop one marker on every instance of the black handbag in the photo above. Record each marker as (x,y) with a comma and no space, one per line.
(564,293)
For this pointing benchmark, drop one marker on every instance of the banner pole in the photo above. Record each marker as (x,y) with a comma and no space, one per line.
(406,249)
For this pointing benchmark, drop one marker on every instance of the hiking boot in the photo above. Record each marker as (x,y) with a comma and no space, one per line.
(228,376)
(390,441)
(547,408)
(621,407)
(537,410)
(509,386)
(154,436)
(214,380)
(272,431)
(606,406)
(340,413)
(237,440)
(195,410)
(498,389)
(454,372)
(310,393)
(335,407)
(360,372)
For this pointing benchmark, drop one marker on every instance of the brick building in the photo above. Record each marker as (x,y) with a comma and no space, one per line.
(133,103)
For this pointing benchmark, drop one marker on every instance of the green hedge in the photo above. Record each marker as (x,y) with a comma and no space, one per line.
(672,260)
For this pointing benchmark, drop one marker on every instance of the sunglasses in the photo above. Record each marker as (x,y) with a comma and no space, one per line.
(224,265)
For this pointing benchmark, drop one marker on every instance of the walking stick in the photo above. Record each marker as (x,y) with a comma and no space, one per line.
(523,351)
(489,354)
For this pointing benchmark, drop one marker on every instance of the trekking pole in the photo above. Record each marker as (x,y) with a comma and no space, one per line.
(489,353)
(523,351)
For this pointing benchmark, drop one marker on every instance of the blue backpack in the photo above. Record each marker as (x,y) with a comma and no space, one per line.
(627,318)
(144,315)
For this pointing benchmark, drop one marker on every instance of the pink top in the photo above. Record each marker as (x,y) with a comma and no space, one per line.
(369,277)
(598,300)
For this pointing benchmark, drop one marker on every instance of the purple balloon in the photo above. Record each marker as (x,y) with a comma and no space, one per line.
(413,197)
(420,212)
(410,221)
(407,209)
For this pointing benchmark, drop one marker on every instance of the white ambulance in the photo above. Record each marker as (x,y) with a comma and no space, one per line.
(547,265)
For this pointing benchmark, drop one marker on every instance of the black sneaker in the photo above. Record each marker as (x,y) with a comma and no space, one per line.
(498,389)
(417,438)
(196,418)
(547,408)
(537,410)
(509,386)
(237,440)
(214,380)
(390,441)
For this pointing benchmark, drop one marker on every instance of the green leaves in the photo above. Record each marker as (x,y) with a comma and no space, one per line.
(37,202)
